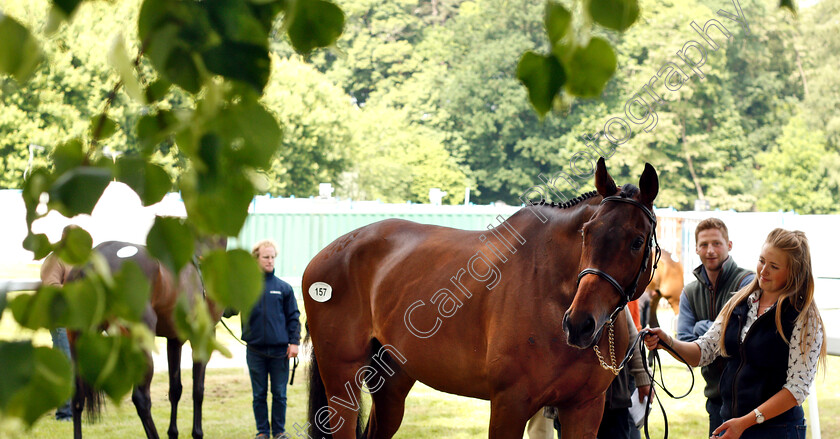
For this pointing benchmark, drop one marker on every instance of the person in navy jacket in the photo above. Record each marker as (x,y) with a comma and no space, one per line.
(273,336)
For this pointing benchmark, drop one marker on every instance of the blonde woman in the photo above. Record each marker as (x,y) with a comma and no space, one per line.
(771,336)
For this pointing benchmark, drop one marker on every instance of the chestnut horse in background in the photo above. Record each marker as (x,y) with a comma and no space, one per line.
(164,294)
(667,283)
(509,315)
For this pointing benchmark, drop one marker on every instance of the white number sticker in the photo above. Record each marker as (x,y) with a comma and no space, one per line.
(320,291)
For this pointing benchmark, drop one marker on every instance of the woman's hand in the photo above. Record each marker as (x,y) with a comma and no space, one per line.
(731,429)
(657,336)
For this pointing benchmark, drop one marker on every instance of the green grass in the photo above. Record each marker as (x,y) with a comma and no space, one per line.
(429,413)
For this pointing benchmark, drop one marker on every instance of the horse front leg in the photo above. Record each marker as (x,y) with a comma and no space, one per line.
(582,420)
(199,369)
(173,356)
(508,415)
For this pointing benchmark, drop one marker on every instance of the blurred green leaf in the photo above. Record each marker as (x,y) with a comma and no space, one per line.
(78,190)
(171,242)
(109,127)
(251,133)
(86,300)
(49,377)
(52,382)
(20,52)
(34,186)
(152,129)
(234,20)
(111,363)
(614,14)
(38,244)
(557,21)
(194,323)
(180,68)
(217,200)
(67,6)
(18,360)
(590,68)
(543,76)
(68,155)
(788,4)
(121,62)
(41,309)
(2,303)
(244,62)
(313,24)
(22,307)
(130,294)
(148,180)
(233,278)
(157,90)
(174,34)
(76,246)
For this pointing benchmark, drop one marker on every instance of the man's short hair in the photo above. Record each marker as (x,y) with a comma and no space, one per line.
(264,243)
(711,223)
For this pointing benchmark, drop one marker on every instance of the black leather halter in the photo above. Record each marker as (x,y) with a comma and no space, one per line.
(626,293)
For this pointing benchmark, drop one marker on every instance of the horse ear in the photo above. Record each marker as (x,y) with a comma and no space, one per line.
(648,185)
(603,182)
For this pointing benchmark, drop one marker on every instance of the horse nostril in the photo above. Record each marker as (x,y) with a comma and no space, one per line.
(588,326)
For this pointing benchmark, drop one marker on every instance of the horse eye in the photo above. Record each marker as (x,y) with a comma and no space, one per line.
(637,243)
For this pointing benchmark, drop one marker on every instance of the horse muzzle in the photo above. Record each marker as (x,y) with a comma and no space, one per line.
(582,329)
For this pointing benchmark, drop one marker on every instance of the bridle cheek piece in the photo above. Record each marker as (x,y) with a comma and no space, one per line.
(626,293)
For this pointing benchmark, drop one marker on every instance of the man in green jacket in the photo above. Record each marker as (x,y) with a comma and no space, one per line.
(717,279)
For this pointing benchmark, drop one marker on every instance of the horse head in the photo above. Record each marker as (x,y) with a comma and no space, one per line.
(615,260)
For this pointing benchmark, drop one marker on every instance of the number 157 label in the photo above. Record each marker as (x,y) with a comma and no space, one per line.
(320,291)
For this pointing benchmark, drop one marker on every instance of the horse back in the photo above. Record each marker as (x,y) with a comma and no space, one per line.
(164,290)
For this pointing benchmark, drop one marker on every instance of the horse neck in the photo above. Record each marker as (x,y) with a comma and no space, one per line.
(545,222)
(553,247)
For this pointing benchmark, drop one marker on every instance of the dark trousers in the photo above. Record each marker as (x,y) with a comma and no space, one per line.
(616,424)
(60,342)
(269,363)
(713,407)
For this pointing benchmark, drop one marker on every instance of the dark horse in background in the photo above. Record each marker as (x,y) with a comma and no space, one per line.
(165,290)
(509,315)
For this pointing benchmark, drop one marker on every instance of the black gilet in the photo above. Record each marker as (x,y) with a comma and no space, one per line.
(757,368)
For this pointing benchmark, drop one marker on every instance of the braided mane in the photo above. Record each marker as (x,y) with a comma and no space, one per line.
(627,191)
(573,202)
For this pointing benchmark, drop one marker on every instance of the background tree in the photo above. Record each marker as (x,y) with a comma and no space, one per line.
(793,172)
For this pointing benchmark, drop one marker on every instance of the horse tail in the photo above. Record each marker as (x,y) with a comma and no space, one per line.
(89,400)
(86,399)
(318,397)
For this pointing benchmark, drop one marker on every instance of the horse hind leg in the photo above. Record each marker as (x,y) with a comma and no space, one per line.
(334,396)
(142,399)
(388,385)
(199,369)
(173,356)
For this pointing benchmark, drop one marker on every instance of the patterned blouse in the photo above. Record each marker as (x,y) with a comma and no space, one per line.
(800,373)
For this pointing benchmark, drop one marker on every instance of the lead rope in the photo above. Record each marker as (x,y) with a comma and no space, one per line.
(651,373)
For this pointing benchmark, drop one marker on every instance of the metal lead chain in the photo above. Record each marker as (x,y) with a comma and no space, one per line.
(614,369)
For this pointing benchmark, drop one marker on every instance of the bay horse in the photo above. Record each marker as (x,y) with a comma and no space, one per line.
(164,294)
(667,283)
(509,315)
